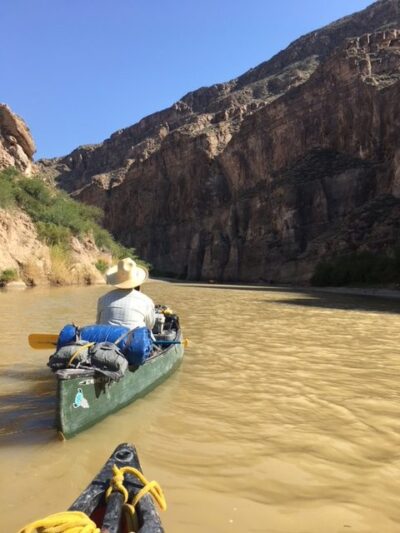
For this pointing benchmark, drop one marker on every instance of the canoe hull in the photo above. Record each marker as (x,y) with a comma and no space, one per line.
(85,398)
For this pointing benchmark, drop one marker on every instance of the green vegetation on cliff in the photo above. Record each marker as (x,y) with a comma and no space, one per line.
(57,217)
(363,268)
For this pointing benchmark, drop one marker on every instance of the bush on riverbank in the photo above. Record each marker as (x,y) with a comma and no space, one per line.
(9,274)
(58,218)
(102,266)
(363,268)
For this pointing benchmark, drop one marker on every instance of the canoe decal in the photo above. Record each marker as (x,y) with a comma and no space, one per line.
(80,400)
(87,382)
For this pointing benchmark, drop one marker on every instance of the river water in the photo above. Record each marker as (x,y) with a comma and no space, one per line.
(283,418)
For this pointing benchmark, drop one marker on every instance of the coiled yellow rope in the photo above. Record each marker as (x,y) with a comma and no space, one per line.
(65,522)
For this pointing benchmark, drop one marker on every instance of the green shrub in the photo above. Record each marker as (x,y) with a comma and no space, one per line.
(31,189)
(363,268)
(10,274)
(53,207)
(7,194)
(101,265)
(53,234)
(56,215)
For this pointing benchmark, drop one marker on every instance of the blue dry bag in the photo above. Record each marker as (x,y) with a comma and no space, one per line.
(136,345)
(68,334)
(139,346)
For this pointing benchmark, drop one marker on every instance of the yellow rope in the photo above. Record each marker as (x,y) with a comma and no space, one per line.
(117,483)
(78,351)
(149,487)
(65,522)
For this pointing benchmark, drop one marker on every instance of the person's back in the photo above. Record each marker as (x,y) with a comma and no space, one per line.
(126,305)
(129,308)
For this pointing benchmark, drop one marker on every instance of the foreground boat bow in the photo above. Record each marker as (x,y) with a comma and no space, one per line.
(103,502)
(92,500)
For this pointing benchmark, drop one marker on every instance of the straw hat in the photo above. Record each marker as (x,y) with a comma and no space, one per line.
(126,274)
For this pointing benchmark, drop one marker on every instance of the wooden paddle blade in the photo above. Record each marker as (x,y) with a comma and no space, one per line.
(43,341)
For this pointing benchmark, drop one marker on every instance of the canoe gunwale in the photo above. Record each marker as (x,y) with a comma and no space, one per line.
(71,373)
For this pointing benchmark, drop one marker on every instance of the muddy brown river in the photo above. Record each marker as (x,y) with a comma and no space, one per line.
(283,418)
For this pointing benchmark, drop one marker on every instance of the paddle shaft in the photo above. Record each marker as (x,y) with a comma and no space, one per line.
(168,342)
(48,341)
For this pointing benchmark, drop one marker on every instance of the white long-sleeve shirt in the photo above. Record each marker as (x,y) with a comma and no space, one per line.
(126,307)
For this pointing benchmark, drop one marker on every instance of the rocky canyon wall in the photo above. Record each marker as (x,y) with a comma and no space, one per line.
(21,249)
(260,178)
(16,144)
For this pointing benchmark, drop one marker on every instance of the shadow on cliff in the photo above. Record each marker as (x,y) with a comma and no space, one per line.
(309,297)
(27,416)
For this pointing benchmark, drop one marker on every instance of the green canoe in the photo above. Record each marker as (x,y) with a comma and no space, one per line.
(85,398)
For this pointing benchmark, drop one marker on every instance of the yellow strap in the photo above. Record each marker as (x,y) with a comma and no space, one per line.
(130,517)
(155,490)
(149,487)
(65,522)
(78,351)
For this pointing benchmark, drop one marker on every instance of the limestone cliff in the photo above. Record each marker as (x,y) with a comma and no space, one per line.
(261,177)
(34,263)
(22,253)
(16,144)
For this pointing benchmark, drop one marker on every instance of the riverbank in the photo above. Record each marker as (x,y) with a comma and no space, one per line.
(379,292)
(357,291)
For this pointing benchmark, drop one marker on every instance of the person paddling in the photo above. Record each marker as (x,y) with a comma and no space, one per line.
(126,305)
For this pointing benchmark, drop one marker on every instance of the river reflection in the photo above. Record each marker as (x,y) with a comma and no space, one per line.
(284,417)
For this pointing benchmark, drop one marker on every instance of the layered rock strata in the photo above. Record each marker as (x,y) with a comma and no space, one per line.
(260,178)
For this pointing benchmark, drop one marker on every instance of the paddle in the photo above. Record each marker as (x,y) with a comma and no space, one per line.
(43,341)
(185,342)
(47,341)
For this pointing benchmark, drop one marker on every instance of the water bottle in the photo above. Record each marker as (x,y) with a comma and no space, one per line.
(159,323)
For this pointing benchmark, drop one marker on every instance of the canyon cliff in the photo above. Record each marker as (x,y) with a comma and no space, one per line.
(23,254)
(262,177)
(16,144)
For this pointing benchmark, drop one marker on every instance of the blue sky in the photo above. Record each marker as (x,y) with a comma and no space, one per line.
(78,70)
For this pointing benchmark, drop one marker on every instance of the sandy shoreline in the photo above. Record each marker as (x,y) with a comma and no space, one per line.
(353,291)
(358,291)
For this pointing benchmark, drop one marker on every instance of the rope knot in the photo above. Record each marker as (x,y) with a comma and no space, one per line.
(117,483)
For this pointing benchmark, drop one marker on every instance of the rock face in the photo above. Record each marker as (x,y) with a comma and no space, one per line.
(20,248)
(23,252)
(16,143)
(260,178)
